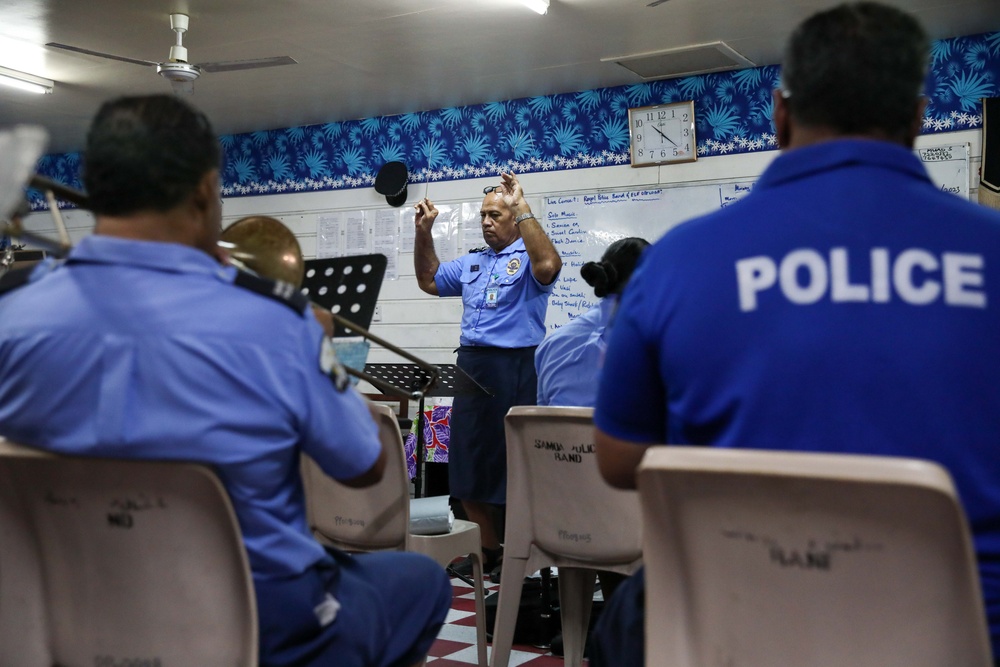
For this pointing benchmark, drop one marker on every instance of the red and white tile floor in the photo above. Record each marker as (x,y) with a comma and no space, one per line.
(456,643)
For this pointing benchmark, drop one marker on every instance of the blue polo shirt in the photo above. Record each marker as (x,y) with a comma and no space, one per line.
(503,304)
(845,305)
(569,359)
(147,350)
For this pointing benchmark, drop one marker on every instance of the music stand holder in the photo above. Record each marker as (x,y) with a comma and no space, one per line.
(346,286)
(451,381)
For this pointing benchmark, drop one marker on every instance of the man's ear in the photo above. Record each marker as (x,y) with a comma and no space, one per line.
(206,213)
(917,122)
(206,194)
(782,120)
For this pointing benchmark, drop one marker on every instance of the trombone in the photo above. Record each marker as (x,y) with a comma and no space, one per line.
(259,256)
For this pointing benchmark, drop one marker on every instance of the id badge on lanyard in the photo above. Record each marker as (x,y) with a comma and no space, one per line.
(492,294)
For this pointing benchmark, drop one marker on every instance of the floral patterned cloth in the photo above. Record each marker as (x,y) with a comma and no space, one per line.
(550,133)
(437,435)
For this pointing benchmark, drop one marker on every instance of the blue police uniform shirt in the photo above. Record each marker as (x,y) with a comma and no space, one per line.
(147,350)
(503,303)
(569,359)
(845,305)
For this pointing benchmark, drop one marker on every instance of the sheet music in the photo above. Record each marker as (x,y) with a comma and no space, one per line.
(355,233)
(330,235)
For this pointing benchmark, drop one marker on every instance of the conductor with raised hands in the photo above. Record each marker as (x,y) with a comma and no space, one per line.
(505,289)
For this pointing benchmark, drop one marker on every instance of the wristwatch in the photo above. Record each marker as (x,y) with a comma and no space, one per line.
(524,216)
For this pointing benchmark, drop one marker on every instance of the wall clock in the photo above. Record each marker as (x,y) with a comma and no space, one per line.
(662,134)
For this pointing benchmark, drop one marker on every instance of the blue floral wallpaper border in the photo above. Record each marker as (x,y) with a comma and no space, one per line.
(555,132)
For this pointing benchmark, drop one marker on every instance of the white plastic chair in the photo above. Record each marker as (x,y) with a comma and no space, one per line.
(814,560)
(560,513)
(378,517)
(112,562)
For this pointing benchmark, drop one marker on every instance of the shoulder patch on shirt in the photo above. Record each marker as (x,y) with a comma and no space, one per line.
(278,290)
(477,250)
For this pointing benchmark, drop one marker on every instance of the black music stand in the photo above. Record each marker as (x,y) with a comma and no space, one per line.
(451,381)
(347,286)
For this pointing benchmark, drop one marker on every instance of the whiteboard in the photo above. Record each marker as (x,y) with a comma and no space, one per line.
(581,226)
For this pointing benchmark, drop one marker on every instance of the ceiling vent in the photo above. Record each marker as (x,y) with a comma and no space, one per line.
(683,61)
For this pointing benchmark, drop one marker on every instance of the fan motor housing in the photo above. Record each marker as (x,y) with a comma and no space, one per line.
(178,71)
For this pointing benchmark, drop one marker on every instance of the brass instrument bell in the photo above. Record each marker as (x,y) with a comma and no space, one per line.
(267,247)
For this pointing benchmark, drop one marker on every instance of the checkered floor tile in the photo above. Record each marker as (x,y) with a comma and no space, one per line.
(456,643)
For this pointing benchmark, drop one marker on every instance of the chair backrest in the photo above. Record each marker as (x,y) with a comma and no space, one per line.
(556,498)
(112,562)
(369,519)
(766,558)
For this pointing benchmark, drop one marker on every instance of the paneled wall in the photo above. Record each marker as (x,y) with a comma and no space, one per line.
(429,326)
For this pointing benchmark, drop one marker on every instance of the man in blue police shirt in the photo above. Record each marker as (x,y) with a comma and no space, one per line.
(505,290)
(845,305)
(142,345)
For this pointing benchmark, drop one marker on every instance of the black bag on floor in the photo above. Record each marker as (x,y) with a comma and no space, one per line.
(537,622)
(535,626)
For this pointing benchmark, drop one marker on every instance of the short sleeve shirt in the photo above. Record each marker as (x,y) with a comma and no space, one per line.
(844,305)
(569,359)
(147,350)
(503,304)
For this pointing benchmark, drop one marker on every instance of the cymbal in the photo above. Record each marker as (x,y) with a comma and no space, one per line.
(267,247)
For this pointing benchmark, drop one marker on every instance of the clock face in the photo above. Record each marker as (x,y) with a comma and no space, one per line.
(662,134)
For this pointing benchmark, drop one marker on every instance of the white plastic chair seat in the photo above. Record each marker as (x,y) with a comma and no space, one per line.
(561,513)
(819,560)
(114,561)
(378,517)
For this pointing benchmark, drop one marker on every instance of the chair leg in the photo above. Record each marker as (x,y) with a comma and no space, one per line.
(576,598)
(477,582)
(507,607)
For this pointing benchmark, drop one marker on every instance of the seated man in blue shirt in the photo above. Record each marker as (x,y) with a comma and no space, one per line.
(142,345)
(843,306)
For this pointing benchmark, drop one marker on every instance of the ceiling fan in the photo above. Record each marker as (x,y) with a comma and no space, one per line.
(176,68)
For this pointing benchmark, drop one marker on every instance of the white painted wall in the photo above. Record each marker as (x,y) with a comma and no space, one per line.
(429,326)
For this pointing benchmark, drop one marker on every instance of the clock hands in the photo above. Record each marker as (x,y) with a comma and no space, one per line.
(664,136)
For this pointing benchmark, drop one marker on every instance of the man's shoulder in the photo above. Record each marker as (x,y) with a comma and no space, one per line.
(568,335)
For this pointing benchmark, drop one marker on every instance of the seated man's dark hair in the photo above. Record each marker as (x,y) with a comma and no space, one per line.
(146,153)
(857,69)
(615,268)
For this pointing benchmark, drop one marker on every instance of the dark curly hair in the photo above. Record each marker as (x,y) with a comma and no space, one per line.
(610,275)
(146,153)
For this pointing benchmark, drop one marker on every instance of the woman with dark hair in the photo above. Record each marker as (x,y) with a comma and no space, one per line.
(569,359)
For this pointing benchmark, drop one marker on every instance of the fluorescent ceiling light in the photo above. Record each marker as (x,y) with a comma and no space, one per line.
(540,6)
(23,81)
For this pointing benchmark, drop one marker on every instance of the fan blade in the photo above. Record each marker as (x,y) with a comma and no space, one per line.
(77,49)
(254,63)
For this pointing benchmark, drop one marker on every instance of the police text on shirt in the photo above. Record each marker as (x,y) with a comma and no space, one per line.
(915,276)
